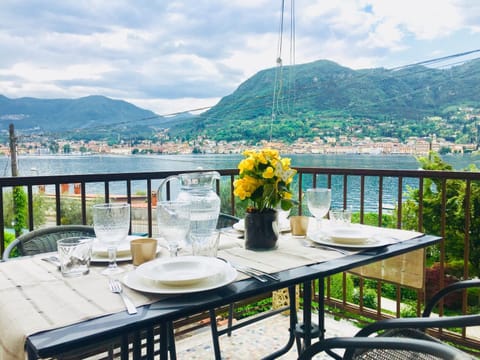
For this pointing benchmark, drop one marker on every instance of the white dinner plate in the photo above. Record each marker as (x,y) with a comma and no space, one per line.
(100,251)
(104,259)
(181,270)
(240,226)
(372,242)
(351,235)
(226,276)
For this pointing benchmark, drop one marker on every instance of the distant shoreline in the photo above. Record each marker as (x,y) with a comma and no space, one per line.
(207,155)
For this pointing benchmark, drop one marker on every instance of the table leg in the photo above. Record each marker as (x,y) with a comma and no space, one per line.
(307,313)
(307,330)
(164,330)
(293,323)
(321,308)
(215,334)
(172,349)
(31,354)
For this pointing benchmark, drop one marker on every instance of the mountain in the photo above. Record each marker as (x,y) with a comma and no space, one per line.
(71,114)
(323,98)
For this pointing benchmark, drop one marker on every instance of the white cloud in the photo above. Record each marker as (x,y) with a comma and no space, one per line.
(166,55)
(425,20)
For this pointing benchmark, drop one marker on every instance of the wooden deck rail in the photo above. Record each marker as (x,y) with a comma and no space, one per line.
(378,192)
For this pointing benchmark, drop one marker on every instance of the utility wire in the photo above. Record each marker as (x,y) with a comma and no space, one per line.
(435,63)
(277,83)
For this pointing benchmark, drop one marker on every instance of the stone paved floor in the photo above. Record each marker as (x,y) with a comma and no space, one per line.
(254,341)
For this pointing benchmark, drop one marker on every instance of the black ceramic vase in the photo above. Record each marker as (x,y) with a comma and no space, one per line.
(261,230)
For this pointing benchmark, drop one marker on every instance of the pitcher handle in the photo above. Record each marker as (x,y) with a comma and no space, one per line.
(162,184)
(215,176)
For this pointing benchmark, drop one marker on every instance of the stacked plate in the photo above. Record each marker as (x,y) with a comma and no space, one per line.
(100,250)
(349,236)
(183,274)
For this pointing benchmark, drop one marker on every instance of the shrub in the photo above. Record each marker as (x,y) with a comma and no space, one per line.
(389,290)
(336,286)
(473,297)
(9,237)
(408,310)
(432,285)
(369,298)
(455,268)
(39,209)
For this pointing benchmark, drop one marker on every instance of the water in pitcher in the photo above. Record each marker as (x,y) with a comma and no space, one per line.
(197,189)
(203,221)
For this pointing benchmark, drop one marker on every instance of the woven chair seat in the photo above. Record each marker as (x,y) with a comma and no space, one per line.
(394,354)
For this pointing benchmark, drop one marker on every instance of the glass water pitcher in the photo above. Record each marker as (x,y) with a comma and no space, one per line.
(198,189)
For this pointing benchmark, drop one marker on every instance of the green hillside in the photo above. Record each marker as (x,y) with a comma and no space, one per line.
(317,99)
(323,98)
(69,114)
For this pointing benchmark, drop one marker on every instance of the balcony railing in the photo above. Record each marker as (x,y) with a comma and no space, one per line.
(372,194)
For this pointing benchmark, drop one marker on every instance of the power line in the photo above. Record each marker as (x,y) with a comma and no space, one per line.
(295,93)
(278,98)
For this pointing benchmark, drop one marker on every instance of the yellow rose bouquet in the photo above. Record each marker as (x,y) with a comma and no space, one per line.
(265,180)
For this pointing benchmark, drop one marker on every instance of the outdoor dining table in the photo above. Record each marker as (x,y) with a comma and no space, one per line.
(43,314)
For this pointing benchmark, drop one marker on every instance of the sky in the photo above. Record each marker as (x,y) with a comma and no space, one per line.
(174,56)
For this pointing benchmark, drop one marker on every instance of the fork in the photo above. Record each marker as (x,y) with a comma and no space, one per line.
(307,243)
(245,271)
(255,273)
(116,288)
(258,272)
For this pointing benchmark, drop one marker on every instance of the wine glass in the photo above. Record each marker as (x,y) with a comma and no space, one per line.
(111,223)
(173,219)
(318,201)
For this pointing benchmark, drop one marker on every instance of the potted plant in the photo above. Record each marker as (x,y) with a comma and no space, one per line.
(264,181)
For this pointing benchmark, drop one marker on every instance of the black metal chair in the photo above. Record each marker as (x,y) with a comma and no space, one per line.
(382,349)
(226,220)
(407,334)
(45,239)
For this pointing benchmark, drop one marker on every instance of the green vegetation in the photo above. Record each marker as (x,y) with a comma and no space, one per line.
(18,219)
(454,212)
(9,237)
(325,100)
(328,100)
(19,210)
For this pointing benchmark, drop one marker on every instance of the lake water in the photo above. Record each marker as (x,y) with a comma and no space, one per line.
(64,165)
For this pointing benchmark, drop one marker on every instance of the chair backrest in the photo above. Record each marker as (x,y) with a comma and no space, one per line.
(45,239)
(387,348)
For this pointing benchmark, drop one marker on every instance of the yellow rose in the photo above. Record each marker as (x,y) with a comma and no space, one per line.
(271,153)
(247,164)
(261,159)
(260,169)
(247,153)
(287,195)
(268,173)
(286,163)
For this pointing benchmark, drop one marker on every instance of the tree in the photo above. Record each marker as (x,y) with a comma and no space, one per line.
(53,147)
(20,210)
(39,210)
(454,212)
